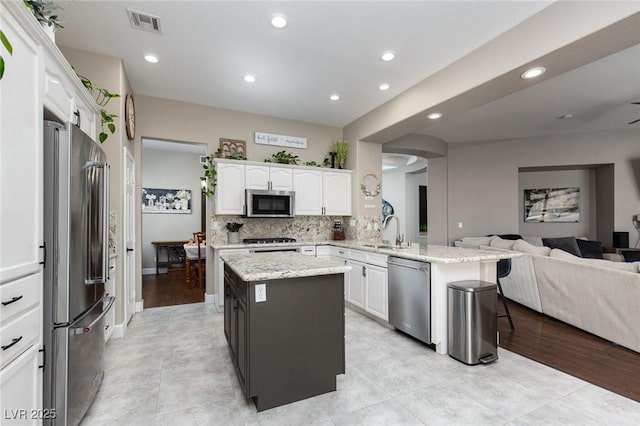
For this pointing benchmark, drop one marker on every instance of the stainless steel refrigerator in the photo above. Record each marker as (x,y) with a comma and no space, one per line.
(76,209)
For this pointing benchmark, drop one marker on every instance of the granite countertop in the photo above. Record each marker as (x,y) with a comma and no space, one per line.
(424,253)
(276,265)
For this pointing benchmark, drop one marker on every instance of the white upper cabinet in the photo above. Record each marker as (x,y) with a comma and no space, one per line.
(230,188)
(307,185)
(337,193)
(317,192)
(20,153)
(281,179)
(266,177)
(322,192)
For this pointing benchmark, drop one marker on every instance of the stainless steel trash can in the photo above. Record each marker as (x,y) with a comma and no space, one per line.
(472,327)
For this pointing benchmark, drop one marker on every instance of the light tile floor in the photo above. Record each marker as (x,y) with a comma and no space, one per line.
(173,368)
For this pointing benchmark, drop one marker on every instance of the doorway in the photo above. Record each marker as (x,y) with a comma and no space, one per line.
(172,211)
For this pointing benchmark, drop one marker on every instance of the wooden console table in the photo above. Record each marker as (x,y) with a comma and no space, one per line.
(172,251)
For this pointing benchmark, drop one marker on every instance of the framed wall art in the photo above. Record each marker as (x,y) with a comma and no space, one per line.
(233,147)
(176,201)
(552,205)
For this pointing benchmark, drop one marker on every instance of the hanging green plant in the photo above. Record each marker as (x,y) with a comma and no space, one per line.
(102,97)
(7,45)
(209,176)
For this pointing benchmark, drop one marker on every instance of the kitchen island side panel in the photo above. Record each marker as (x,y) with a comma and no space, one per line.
(296,339)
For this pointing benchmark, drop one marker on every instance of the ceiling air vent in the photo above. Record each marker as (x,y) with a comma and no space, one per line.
(144,21)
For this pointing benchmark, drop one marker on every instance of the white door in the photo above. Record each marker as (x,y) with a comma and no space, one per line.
(281,179)
(337,193)
(229,189)
(356,283)
(308,187)
(376,300)
(130,237)
(256,177)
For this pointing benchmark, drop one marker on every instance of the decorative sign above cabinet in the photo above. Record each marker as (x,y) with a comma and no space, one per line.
(281,140)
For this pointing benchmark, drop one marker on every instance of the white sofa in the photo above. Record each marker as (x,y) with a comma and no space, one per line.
(599,296)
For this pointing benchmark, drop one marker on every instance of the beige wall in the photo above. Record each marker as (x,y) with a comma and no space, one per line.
(483,177)
(108,72)
(179,121)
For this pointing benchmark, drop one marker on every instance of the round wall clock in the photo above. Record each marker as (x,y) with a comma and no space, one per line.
(130,117)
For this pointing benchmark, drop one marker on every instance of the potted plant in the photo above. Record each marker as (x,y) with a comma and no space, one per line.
(282,157)
(233,228)
(340,148)
(44,12)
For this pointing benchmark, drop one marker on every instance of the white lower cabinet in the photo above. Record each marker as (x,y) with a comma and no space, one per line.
(21,389)
(355,289)
(367,284)
(376,300)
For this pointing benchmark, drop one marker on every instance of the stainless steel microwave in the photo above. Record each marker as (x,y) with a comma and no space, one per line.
(268,203)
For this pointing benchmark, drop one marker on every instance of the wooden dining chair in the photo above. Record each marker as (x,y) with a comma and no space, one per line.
(197,262)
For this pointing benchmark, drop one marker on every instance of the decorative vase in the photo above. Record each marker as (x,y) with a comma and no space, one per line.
(234,237)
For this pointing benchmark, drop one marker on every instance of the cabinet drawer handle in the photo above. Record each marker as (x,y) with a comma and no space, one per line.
(15,299)
(13,342)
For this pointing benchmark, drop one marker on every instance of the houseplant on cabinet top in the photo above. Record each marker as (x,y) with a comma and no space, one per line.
(44,11)
(341,148)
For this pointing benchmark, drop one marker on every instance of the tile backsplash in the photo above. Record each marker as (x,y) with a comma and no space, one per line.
(302,228)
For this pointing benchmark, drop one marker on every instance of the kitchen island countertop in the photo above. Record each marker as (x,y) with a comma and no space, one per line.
(276,265)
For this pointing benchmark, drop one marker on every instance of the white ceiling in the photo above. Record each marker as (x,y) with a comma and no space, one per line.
(334,47)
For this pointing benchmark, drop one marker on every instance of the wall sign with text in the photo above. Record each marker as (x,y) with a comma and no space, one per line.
(281,140)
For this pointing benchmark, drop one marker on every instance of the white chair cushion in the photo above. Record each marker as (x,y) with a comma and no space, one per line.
(536,241)
(479,241)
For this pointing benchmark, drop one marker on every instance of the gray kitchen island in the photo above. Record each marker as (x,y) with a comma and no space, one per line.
(284,323)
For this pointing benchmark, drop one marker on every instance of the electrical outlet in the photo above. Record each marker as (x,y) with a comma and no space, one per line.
(352,222)
(459,224)
(261,293)
(216,226)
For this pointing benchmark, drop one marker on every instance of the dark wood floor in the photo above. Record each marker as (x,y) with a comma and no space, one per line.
(169,289)
(571,350)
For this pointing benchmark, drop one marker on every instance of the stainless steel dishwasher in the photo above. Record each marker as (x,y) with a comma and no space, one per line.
(410,297)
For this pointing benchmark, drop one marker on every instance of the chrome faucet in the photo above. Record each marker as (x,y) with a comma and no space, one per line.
(399,237)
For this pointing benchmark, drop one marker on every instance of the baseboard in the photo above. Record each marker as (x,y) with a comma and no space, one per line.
(210,298)
(140,306)
(118,331)
(148,271)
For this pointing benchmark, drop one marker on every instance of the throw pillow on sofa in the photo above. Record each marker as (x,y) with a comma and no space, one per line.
(590,249)
(525,247)
(568,244)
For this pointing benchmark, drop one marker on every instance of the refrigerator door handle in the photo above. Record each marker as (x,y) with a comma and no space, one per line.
(87,328)
(97,226)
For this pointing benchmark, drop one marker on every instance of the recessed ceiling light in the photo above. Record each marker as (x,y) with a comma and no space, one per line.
(249,78)
(383,86)
(565,116)
(334,97)
(278,21)
(434,116)
(388,56)
(533,73)
(151,58)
